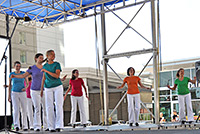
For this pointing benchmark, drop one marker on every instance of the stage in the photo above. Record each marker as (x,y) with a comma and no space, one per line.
(121,128)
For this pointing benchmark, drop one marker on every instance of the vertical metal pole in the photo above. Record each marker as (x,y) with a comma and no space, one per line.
(105,77)
(155,63)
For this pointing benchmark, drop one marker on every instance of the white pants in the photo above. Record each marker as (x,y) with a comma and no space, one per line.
(39,101)
(54,96)
(30,112)
(182,99)
(80,101)
(133,107)
(19,98)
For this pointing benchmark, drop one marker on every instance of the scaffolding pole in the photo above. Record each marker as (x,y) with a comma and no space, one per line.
(155,62)
(105,76)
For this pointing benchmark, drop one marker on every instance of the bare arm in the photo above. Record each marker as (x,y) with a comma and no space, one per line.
(9,90)
(64,77)
(142,86)
(172,88)
(69,88)
(121,85)
(193,81)
(21,75)
(55,75)
(27,84)
(85,91)
(42,85)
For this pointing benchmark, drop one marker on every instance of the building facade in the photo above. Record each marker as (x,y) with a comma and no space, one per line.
(169,98)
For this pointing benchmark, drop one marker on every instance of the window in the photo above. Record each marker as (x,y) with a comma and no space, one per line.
(22,38)
(23,57)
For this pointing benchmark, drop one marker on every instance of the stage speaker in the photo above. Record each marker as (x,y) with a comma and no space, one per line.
(197,68)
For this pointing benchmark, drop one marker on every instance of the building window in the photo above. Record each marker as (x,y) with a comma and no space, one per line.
(22,38)
(23,57)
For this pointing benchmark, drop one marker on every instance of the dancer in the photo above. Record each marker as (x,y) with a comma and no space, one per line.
(184,96)
(17,95)
(76,84)
(38,101)
(133,95)
(29,104)
(53,92)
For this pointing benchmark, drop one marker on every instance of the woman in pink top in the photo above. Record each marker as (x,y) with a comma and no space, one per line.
(29,104)
(76,84)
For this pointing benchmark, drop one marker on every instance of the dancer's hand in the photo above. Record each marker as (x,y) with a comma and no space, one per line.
(23,89)
(64,77)
(65,97)
(87,96)
(41,93)
(12,76)
(43,70)
(9,98)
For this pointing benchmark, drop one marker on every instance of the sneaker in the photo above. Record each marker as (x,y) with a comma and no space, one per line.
(58,129)
(190,122)
(52,130)
(136,124)
(17,129)
(73,125)
(31,129)
(183,122)
(25,129)
(46,129)
(37,130)
(130,124)
(84,125)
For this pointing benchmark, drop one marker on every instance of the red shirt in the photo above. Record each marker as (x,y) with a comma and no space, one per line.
(76,87)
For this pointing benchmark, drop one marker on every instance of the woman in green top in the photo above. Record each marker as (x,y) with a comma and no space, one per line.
(184,96)
(53,92)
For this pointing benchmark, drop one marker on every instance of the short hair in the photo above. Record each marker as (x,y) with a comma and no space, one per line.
(17,62)
(177,74)
(129,70)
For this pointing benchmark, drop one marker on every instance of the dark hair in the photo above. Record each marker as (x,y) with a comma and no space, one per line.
(17,62)
(38,55)
(129,70)
(177,74)
(29,78)
(73,72)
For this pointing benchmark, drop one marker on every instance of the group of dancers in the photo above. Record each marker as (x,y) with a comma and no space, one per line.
(46,90)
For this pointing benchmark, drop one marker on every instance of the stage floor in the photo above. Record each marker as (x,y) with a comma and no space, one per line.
(122,128)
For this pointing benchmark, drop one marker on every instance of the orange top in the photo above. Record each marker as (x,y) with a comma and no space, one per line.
(132,83)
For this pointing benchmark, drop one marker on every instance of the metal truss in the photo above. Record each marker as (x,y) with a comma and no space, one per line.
(66,10)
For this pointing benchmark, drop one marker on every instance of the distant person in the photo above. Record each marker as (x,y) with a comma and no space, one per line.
(162,118)
(133,95)
(53,92)
(75,84)
(17,95)
(29,104)
(184,96)
(175,116)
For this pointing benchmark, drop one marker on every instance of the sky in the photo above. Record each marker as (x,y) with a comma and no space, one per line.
(179,25)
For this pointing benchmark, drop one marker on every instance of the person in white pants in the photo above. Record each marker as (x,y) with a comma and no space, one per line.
(36,74)
(184,96)
(76,84)
(53,92)
(29,104)
(133,95)
(18,97)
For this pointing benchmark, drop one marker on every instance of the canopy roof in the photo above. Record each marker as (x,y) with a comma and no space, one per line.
(51,12)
